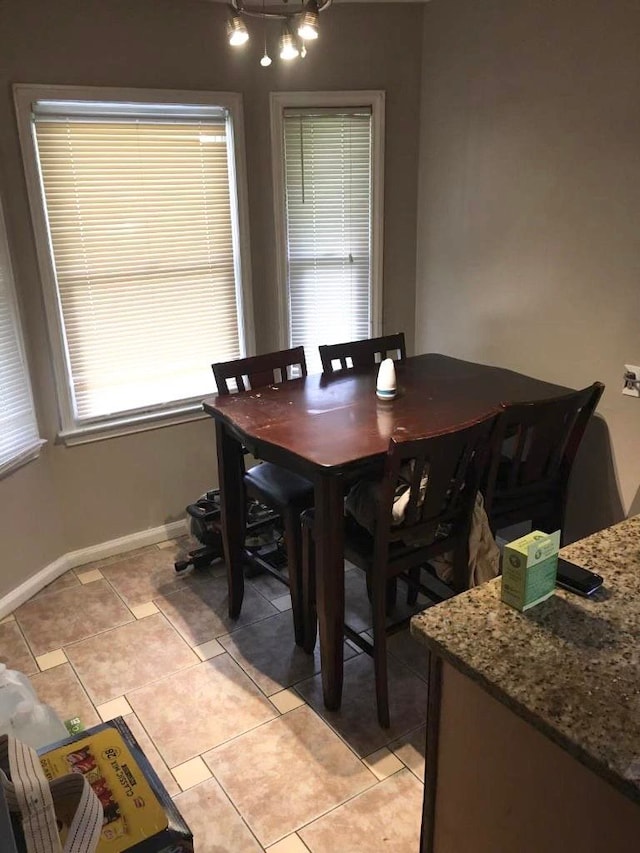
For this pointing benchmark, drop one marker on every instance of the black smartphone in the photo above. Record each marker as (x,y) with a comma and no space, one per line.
(576,578)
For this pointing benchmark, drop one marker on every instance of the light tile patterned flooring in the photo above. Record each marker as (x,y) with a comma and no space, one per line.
(230,714)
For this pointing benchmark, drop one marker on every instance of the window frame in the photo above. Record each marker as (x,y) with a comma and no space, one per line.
(32,449)
(375,100)
(25,94)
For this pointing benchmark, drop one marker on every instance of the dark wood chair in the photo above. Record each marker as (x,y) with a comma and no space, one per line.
(535,445)
(286,493)
(362,354)
(353,355)
(436,522)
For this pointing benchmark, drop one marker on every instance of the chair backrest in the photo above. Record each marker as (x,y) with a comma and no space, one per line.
(259,371)
(362,353)
(534,447)
(444,472)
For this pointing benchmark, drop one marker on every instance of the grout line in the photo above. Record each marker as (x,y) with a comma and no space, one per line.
(29,649)
(154,744)
(218,637)
(167,675)
(98,633)
(253,681)
(405,737)
(415,775)
(375,784)
(336,806)
(140,686)
(252,729)
(289,834)
(83,689)
(235,737)
(227,796)
(45,592)
(91,636)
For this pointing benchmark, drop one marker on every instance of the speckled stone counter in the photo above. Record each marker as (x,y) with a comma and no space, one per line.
(569,666)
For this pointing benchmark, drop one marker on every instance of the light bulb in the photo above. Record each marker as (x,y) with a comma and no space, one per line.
(288,48)
(303,52)
(236,30)
(289,52)
(265,61)
(308,27)
(307,33)
(238,38)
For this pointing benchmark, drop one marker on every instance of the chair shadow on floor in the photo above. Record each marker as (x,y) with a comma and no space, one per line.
(265,649)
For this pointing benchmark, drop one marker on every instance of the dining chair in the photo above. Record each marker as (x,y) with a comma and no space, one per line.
(363,353)
(535,445)
(283,491)
(445,473)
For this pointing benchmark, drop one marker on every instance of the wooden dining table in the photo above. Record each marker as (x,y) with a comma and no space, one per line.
(331,429)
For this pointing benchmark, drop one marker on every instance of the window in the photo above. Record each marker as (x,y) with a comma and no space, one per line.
(328,180)
(19,439)
(135,197)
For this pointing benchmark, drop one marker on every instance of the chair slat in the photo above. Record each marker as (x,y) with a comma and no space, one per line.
(363,353)
(259,370)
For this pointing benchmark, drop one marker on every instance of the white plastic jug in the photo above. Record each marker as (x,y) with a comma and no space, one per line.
(37,724)
(14,689)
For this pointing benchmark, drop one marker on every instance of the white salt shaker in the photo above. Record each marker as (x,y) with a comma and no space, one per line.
(386,382)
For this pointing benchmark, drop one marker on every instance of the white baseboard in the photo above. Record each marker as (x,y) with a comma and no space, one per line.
(73,559)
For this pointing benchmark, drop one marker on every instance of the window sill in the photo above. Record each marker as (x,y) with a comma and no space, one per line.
(128,426)
(32,452)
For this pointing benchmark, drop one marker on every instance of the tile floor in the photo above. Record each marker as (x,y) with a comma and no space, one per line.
(230,714)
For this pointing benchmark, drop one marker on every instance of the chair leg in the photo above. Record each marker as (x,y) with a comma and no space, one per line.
(412,588)
(380,651)
(391,593)
(293,536)
(460,581)
(310,615)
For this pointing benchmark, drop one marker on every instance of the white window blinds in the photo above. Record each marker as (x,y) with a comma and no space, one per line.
(140,211)
(327,156)
(19,438)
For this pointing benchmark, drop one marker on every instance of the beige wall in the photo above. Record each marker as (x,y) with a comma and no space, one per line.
(75,497)
(528,212)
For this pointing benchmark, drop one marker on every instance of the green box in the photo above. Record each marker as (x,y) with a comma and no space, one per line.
(529,567)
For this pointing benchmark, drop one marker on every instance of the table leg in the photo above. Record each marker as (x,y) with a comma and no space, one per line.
(329,512)
(232,507)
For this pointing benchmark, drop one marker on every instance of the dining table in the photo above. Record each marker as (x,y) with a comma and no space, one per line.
(332,429)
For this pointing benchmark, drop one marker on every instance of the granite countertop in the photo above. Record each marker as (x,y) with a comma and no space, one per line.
(570,666)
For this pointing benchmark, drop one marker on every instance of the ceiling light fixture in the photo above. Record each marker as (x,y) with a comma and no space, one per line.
(300,22)
(308,24)
(236,30)
(266,59)
(288,47)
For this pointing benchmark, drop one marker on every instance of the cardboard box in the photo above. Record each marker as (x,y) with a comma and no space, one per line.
(529,566)
(139,814)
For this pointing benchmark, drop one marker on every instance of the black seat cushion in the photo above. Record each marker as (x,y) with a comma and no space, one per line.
(277,487)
